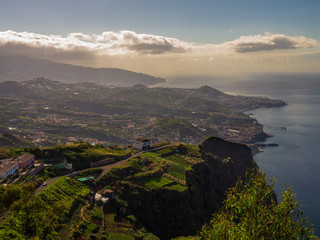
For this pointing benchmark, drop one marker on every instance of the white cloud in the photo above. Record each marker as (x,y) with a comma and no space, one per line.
(270,42)
(158,54)
(109,43)
(128,42)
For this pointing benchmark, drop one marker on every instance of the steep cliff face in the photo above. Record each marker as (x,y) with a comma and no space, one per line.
(224,163)
(163,212)
(169,213)
(228,161)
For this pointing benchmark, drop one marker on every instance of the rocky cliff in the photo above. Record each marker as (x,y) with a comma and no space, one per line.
(169,213)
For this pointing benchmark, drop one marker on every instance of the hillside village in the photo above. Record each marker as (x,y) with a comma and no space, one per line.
(48,112)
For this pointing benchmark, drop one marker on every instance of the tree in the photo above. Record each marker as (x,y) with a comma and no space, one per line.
(32,217)
(251,212)
(25,211)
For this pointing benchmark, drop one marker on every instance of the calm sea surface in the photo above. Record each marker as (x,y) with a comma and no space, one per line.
(296,162)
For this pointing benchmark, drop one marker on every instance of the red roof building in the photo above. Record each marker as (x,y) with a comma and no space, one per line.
(25,160)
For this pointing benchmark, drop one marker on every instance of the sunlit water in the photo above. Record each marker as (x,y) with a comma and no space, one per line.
(296,162)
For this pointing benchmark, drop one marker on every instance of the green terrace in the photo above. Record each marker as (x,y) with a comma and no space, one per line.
(163,168)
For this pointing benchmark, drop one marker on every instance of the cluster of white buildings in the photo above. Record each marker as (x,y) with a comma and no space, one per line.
(10,166)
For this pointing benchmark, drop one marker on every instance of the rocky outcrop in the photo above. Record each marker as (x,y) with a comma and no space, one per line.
(224,164)
(168,213)
(260,137)
(227,161)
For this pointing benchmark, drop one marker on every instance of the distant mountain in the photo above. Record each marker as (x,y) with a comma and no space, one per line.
(21,68)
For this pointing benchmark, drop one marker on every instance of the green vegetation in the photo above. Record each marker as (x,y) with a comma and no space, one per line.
(65,190)
(164,151)
(12,193)
(177,187)
(102,114)
(162,168)
(89,172)
(119,236)
(97,213)
(177,171)
(185,238)
(39,216)
(193,150)
(159,144)
(89,229)
(79,154)
(157,182)
(8,140)
(251,212)
(63,211)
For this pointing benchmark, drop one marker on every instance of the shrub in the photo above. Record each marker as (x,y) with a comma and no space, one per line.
(251,212)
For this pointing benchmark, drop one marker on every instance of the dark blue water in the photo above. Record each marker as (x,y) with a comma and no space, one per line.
(296,162)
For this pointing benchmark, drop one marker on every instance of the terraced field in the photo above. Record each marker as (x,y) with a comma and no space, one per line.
(157,182)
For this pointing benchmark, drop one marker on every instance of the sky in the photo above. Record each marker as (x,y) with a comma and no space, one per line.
(168,37)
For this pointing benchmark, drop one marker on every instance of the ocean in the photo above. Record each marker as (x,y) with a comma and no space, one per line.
(295,162)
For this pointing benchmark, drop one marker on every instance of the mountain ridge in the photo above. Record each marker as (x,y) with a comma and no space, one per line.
(21,68)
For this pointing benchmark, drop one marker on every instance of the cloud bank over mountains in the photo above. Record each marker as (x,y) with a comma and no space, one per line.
(113,46)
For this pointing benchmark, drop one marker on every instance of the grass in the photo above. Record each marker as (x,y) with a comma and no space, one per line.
(72,223)
(64,190)
(113,227)
(109,221)
(89,229)
(97,213)
(178,159)
(152,156)
(160,144)
(185,238)
(119,236)
(157,182)
(178,187)
(193,150)
(177,171)
(164,150)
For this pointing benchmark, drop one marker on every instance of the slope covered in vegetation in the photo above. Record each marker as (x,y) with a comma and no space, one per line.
(165,193)
(251,212)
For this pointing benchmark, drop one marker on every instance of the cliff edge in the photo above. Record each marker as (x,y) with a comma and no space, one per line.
(169,213)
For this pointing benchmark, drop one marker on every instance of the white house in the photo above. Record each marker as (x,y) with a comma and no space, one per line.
(142,143)
(8,169)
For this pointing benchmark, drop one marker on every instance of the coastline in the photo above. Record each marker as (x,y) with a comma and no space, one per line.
(258,140)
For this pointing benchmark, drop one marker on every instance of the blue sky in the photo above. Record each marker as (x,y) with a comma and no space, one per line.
(198,21)
(203,36)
